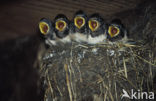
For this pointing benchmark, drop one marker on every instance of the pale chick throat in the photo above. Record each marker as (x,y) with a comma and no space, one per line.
(98,39)
(79,37)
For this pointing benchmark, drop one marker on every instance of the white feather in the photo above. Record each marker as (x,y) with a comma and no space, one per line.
(57,40)
(78,37)
(98,39)
(50,42)
(66,39)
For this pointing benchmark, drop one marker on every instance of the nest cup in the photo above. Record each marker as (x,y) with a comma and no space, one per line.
(98,72)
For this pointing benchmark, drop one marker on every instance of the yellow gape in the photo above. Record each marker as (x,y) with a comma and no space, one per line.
(60,25)
(79,22)
(113,31)
(44,28)
(93,25)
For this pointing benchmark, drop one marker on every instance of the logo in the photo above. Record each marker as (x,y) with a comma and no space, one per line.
(137,95)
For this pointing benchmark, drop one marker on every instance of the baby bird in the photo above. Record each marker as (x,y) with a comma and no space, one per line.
(97,29)
(47,31)
(62,27)
(79,27)
(117,32)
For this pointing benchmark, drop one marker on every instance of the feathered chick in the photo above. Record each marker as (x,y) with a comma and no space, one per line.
(117,31)
(79,27)
(62,27)
(47,31)
(97,29)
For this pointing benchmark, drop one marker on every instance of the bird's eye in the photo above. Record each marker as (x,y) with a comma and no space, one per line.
(79,22)
(93,25)
(44,28)
(60,25)
(113,31)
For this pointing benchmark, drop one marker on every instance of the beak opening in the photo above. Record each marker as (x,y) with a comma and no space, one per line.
(44,28)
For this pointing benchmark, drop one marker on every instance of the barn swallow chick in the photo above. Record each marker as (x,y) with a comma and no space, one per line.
(47,31)
(79,27)
(97,29)
(62,26)
(117,32)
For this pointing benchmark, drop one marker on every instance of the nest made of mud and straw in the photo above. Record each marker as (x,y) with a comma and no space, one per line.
(79,72)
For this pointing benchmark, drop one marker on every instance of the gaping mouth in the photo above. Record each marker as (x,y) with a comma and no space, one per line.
(113,31)
(93,25)
(79,22)
(44,28)
(60,25)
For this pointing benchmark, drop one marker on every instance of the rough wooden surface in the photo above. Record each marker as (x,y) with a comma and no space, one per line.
(21,17)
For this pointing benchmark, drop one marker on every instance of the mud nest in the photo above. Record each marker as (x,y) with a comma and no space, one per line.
(81,72)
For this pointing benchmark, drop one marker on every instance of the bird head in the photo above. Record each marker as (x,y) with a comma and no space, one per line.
(61,24)
(80,20)
(116,30)
(96,25)
(46,28)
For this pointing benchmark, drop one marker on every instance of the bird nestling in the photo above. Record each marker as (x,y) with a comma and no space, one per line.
(97,29)
(79,27)
(47,31)
(62,27)
(117,32)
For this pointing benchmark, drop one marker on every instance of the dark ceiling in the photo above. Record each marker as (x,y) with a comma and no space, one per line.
(21,17)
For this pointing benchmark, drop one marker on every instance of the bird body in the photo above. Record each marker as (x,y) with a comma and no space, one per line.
(79,37)
(98,39)
(117,32)
(66,39)
(97,29)
(47,31)
(79,29)
(62,28)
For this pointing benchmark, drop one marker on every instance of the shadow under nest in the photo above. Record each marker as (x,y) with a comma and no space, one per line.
(100,72)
